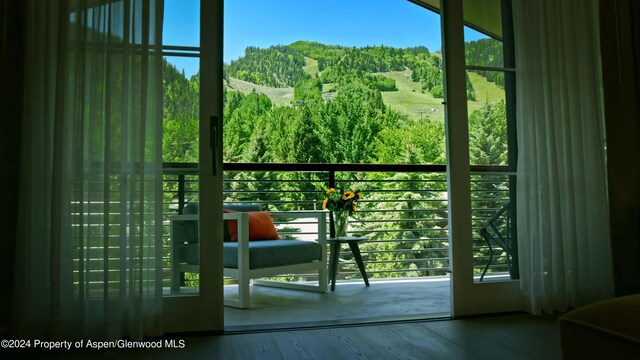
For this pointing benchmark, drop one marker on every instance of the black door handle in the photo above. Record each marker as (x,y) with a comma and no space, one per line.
(213,143)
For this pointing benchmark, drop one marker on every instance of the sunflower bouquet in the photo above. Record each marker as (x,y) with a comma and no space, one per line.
(341,202)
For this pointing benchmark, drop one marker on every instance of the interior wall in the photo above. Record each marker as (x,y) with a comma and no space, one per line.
(620,63)
(635,31)
(12,15)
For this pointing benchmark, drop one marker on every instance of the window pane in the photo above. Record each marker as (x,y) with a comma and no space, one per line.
(482,50)
(308,84)
(488,143)
(181,25)
(181,100)
(181,97)
(494,238)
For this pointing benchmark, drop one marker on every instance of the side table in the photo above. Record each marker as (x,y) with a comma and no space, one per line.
(353,242)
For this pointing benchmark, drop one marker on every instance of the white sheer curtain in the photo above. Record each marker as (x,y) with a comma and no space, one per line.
(89,254)
(563,225)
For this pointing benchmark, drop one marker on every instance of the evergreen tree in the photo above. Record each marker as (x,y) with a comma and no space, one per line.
(308,90)
(304,137)
(488,134)
(486,52)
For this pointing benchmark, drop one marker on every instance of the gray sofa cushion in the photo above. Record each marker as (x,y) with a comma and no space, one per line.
(270,253)
(262,254)
(185,234)
(194,208)
(191,208)
(242,207)
(188,253)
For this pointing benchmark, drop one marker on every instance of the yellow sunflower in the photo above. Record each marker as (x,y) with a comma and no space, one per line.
(348,195)
(324,204)
(332,190)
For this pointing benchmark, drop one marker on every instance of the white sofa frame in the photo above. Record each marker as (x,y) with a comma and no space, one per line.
(247,276)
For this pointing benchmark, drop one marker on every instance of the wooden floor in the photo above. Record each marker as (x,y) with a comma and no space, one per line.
(514,336)
(351,302)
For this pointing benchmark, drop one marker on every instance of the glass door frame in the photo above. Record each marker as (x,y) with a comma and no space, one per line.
(467,297)
(204,311)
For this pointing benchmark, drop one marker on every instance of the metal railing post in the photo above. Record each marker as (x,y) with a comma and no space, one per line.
(180,193)
(332,184)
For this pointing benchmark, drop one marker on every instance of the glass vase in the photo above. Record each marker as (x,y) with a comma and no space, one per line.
(341,222)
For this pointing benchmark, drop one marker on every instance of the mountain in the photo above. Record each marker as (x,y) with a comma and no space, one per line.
(283,66)
(310,102)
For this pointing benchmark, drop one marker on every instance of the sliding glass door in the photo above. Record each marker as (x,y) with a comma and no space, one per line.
(481,155)
(472,95)
(192,79)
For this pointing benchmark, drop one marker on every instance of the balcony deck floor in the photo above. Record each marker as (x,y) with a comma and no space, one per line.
(351,302)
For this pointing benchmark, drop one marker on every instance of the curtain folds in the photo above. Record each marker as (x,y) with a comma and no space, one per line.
(563,224)
(89,255)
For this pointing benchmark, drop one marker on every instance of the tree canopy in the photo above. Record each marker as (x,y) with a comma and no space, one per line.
(353,125)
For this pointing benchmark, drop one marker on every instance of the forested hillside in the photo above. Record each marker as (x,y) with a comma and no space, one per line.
(486,52)
(335,114)
(281,66)
(277,66)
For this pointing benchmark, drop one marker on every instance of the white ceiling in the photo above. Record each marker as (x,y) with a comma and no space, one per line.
(481,15)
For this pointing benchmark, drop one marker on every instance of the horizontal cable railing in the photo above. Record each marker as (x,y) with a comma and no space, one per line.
(404,215)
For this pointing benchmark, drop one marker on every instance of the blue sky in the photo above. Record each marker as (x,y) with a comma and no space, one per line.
(264,23)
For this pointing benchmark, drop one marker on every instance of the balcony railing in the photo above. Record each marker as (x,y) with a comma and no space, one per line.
(404,214)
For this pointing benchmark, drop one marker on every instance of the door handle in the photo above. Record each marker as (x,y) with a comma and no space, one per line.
(213,143)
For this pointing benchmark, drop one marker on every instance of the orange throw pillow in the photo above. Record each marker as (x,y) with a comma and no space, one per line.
(260,227)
